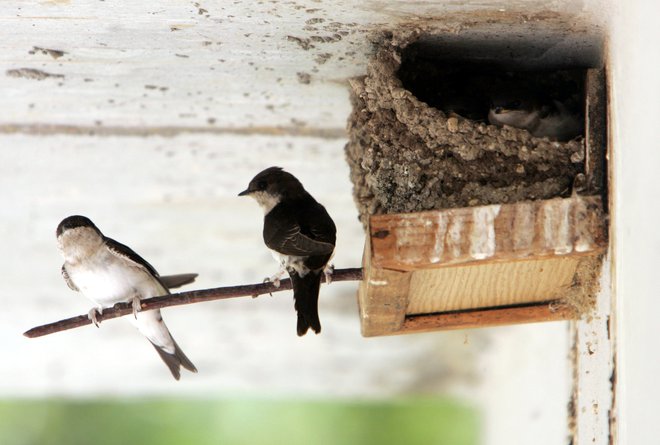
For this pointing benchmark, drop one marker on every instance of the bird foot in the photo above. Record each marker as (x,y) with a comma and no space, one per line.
(275,279)
(328,271)
(92,315)
(137,306)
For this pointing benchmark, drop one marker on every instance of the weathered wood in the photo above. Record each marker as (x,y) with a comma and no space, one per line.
(382,298)
(497,264)
(594,376)
(534,313)
(495,233)
(595,165)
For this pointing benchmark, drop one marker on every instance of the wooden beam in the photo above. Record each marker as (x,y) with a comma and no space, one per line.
(382,298)
(595,166)
(534,313)
(531,229)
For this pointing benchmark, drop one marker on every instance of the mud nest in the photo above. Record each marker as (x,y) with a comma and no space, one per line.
(406,155)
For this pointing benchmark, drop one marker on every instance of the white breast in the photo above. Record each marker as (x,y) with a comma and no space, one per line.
(291,262)
(107,279)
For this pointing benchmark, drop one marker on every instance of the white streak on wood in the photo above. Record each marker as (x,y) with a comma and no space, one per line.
(482,240)
(378,282)
(556,226)
(455,234)
(440,234)
(407,236)
(583,238)
(523,226)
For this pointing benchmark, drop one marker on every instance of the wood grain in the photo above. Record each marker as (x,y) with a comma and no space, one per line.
(489,284)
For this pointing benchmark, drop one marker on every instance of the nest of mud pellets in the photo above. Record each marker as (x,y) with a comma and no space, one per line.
(408,156)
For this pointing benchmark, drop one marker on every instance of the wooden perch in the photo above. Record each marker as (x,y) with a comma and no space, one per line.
(181,298)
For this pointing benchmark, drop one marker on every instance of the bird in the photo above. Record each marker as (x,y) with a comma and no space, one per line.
(108,272)
(301,236)
(549,118)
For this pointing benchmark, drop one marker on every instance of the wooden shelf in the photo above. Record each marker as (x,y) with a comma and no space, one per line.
(479,266)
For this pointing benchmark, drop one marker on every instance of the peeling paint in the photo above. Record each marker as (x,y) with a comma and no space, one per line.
(304,43)
(304,78)
(32,73)
(54,53)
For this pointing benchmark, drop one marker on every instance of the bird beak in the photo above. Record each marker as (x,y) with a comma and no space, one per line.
(245,192)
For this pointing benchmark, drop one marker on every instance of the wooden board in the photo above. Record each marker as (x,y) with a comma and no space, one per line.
(506,232)
(479,266)
(545,311)
(489,284)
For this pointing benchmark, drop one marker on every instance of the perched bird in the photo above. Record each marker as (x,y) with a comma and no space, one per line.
(549,118)
(108,272)
(300,234)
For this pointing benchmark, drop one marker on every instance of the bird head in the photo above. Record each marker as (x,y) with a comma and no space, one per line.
(76,236)
(272,185)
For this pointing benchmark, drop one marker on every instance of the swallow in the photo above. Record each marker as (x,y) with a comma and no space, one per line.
(108,272)
(551,118)
(301,236)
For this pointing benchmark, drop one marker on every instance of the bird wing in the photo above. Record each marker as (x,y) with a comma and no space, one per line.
(126,253)
(68,280)
(287,238)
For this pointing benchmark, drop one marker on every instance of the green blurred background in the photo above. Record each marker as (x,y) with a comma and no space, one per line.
(250,422)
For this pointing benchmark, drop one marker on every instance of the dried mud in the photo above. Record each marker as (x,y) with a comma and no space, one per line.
(407,156)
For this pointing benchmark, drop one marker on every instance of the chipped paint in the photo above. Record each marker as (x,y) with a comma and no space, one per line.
(54,53)
(32,73)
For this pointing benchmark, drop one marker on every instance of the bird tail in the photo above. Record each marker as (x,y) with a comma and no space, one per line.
(152,326)
(173,281)
(176,360)
(306,296)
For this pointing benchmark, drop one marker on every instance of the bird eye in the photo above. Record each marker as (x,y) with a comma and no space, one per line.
(261,185)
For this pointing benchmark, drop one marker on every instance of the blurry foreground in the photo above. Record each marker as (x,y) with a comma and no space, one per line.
(178,421)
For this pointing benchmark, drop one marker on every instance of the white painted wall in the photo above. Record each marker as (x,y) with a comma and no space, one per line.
(635,70)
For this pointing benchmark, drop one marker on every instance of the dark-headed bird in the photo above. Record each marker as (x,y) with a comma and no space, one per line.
(300,234)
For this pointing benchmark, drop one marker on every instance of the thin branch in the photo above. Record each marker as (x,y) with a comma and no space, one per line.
(181,298)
